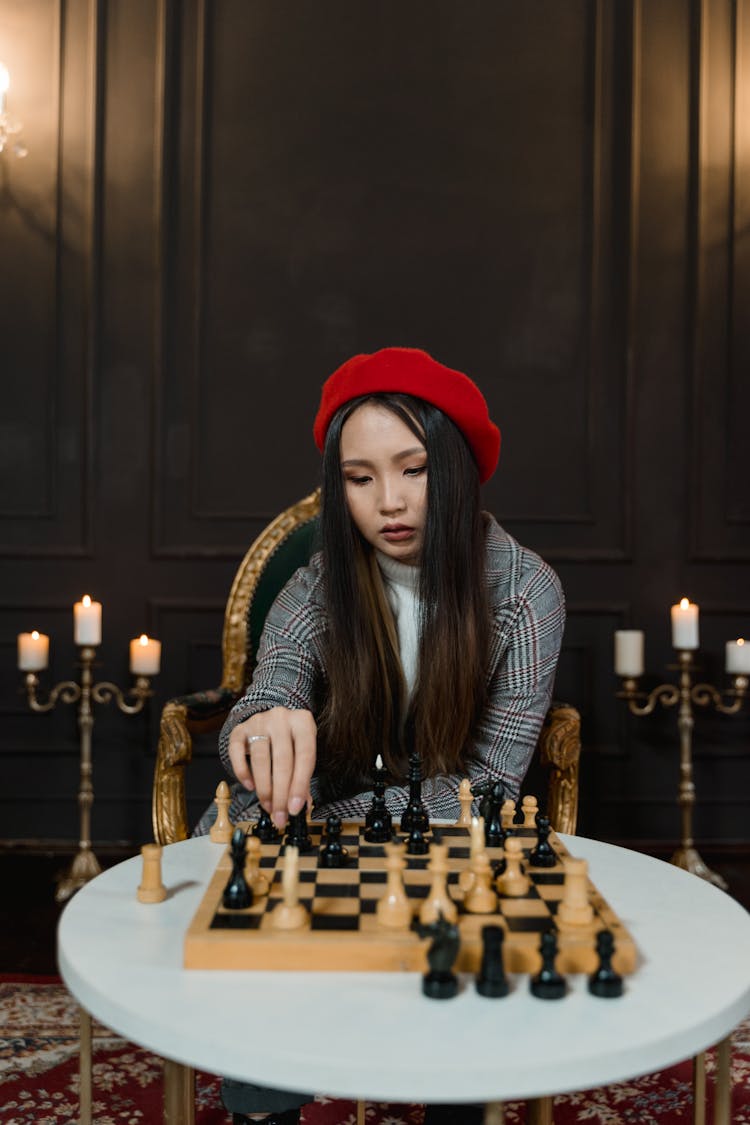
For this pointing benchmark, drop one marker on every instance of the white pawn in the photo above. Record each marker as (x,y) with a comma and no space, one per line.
(513,883)
(438,900)
(575,908)
(254,877)
(222,827)
(465,798)
(480,898)
(394,909)
(290,914)
(529,808)
(508,812)
(151,889)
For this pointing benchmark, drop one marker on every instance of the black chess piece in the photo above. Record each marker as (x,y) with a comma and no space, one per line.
(491,810)
(441,983)
(237,894)
(543,854)
(297,834)
(415,813)
(333,854)
(548,984)
(265,829)
(492,981)
(605,982)
(416,844)
(378,822)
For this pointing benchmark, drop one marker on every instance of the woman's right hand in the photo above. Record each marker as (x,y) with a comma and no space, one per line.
(279,761)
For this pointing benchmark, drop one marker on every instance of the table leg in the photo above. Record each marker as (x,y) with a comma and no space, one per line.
(494,1114)
(84,1067)
(699,1089)
(540,1111)
(179,1094)
(360,1113)
(723,1095)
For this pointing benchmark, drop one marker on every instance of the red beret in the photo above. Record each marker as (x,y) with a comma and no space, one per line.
(411,371)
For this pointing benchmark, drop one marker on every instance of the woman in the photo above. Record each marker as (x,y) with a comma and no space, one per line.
(420,626)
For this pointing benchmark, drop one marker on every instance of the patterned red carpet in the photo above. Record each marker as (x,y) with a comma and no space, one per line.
(39,1078)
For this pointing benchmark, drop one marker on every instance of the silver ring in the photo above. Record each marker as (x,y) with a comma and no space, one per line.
(257,738)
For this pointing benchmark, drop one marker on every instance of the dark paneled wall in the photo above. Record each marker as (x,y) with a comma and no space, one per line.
(224,199)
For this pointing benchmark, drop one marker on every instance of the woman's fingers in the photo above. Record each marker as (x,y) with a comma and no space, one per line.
(274,753)
(304,734)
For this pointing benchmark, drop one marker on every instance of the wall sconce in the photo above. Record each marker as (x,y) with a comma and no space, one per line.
(8,128)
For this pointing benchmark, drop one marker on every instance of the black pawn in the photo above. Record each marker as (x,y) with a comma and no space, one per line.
(265,829)
(491,980)
(548,984)
(237,894)
(605,982)
(416,843)
(297,834)
(333,854)
(415,813)
(543,854)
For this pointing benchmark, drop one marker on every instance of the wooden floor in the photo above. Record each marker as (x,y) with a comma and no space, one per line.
(28,919)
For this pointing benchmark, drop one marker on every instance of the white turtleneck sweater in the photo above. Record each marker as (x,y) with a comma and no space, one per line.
(402,590)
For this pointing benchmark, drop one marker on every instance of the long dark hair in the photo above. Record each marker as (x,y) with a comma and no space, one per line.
(365,711)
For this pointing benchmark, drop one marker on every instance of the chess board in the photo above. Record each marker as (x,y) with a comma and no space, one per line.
(343,931)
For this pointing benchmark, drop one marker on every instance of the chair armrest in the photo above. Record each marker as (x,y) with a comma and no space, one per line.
(560,749)
(181,718)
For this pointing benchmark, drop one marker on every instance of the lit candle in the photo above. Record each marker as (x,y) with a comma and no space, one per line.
(87,616)
(33,651)
(685,625)
(738,656)
(145,656)
(4,84)
(629,652)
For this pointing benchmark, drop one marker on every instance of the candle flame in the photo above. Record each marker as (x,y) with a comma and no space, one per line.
(740,640)
(86,600)
(378,763)
(684,603)
(4,79)
(143,639)
(35,634)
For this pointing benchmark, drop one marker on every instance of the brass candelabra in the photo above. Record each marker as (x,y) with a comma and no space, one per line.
(85,865)
(685,694)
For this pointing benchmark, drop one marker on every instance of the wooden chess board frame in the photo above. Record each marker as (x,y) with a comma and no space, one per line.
(344,934)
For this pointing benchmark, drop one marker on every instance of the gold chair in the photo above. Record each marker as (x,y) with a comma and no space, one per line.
(279,550)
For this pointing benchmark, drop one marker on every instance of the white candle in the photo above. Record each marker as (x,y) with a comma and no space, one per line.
(145,656)
(629,652)
(87,616)
(738,656)
(685,625)
(33,651)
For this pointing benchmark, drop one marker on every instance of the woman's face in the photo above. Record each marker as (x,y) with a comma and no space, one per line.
(385,480)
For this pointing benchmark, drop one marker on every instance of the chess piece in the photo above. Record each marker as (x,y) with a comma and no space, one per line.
(494,833)
(605,982)
(508,813)
(416,843)
(221,829)
(333,854)
(513,883)
(491,980)
(297,834)
(465,798)
(575,909)
(151,889)
(440,982)
(548,984)
(254,877)
(476,845)
(415,813)
(290,914)
(480,898)
(265,829)
(394,909)
(237,894)
(438,902)
(378,822)
(543,854)
(529,808)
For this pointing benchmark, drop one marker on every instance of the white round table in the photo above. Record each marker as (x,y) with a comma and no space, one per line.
(374,1035)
